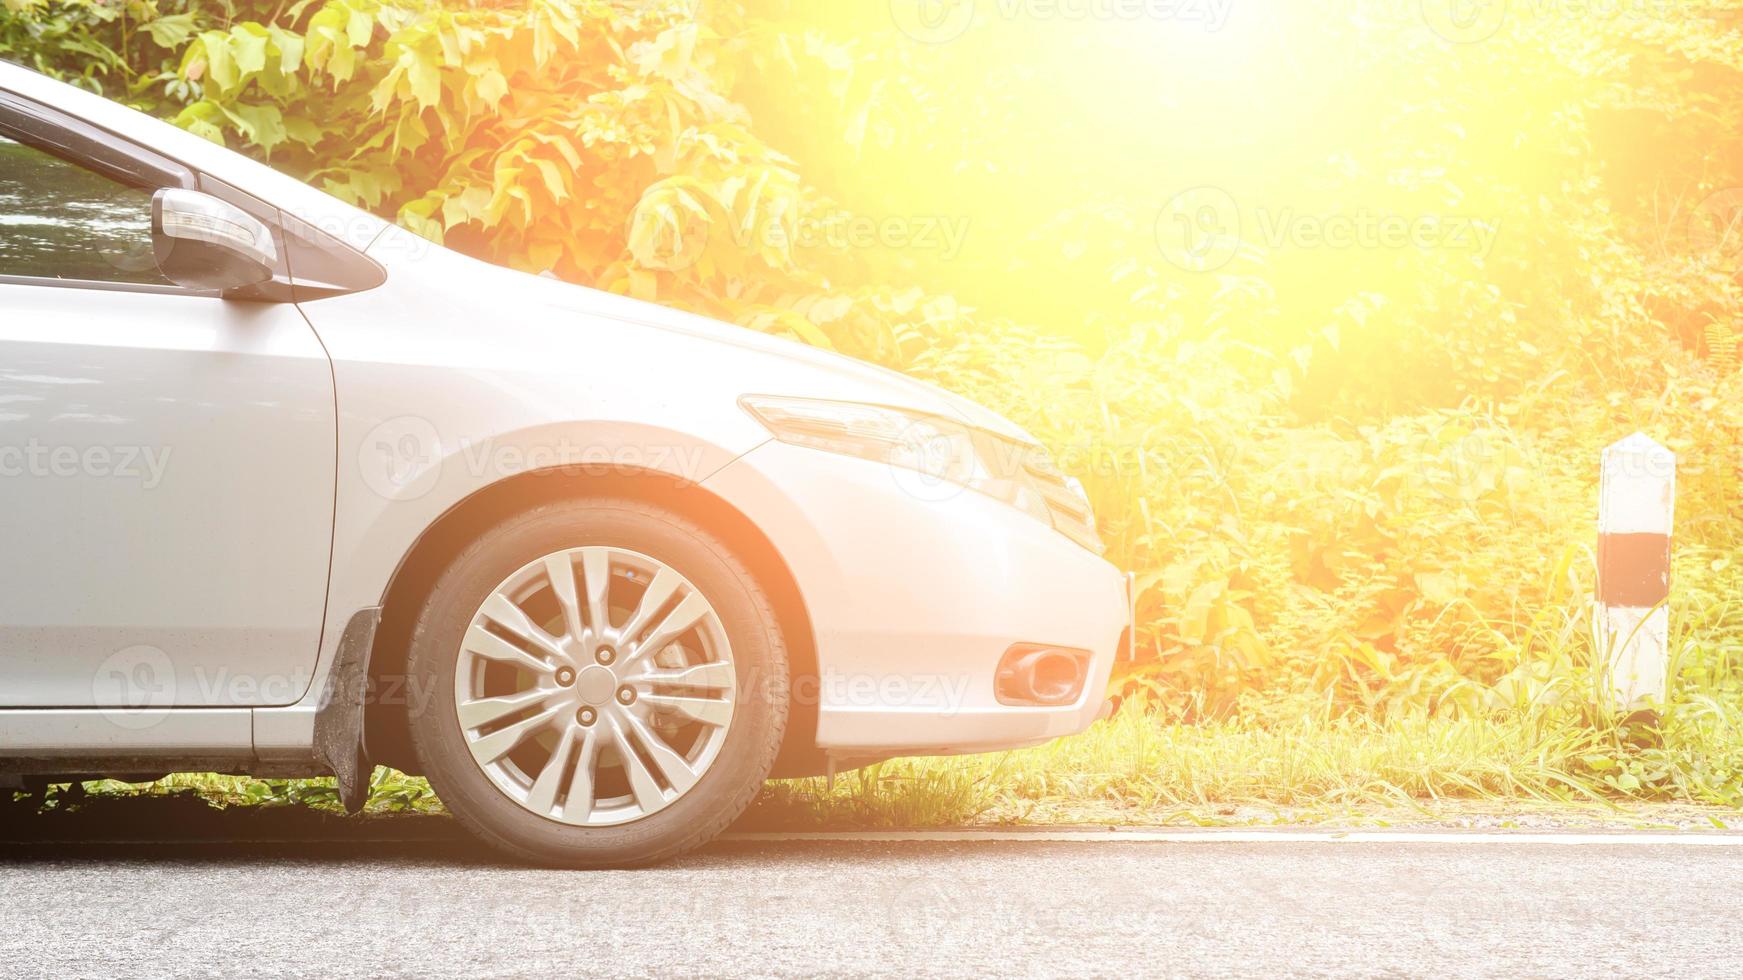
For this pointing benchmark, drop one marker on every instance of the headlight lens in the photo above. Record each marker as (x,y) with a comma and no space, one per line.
(933,457)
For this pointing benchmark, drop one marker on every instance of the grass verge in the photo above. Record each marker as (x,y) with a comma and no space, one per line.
(1140,769)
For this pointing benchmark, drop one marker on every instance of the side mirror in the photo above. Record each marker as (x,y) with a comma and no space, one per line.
(204,243)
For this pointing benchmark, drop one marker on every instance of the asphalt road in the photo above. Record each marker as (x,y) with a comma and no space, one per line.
(1212,908)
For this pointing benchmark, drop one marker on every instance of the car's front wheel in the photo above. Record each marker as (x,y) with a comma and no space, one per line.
(607,685)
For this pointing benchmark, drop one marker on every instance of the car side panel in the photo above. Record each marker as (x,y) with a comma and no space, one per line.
(166,499)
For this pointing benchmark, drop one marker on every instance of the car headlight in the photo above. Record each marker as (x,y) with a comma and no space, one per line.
(933,457)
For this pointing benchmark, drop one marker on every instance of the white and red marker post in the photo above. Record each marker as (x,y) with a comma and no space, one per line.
(1636,506)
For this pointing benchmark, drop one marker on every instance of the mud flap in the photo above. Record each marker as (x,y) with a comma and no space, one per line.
(339,743)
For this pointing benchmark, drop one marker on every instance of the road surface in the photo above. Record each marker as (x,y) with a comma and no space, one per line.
(1211,906)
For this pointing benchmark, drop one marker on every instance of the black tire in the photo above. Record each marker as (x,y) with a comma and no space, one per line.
(759,654)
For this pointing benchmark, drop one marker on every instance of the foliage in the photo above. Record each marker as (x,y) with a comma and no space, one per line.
(1358,475)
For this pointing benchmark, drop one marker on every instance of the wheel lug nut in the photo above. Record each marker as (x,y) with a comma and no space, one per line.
(565,676)
(606,655)
(586,716)
(626,695)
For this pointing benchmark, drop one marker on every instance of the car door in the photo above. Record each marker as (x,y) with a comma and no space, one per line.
(167,457)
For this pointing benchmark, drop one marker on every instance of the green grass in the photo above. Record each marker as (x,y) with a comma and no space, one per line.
(1139,768)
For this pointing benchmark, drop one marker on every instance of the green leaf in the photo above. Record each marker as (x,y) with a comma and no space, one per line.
(202,119)
(262,124)
(290,50)
(171,32)
(249,50)
(359,28)
(301,130)
(425,78)
(492,87)
(553,178)
(343,64)
(220,65)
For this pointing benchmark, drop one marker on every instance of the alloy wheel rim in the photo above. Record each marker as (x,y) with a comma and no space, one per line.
(595,686)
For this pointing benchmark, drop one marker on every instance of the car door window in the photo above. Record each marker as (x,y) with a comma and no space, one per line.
(62,221)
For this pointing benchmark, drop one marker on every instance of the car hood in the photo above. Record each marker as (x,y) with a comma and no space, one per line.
(902,391)
(837,375)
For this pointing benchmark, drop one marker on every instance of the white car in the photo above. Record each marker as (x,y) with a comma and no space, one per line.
(287,490)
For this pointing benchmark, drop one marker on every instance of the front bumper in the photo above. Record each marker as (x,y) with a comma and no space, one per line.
(914,598)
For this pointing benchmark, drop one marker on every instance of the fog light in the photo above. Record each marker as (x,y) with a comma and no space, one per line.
(1037,675)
